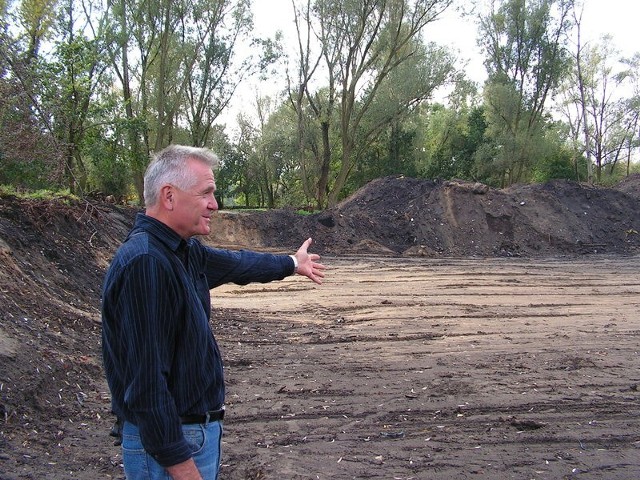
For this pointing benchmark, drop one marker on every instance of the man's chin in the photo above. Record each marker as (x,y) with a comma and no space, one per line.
(205,229)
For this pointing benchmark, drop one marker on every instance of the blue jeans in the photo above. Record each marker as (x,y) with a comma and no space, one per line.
(205,440)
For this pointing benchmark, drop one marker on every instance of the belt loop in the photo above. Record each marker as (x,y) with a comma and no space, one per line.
(206,418)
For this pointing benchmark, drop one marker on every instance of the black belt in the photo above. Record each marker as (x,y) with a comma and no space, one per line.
(210,416)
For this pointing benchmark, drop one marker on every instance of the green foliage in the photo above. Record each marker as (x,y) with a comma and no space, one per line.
(109,172)
(378,69)
(516,132)
(25,175)
(557,166)
(394,152)
(612,177)
(64,196)
(85,98)
(525,63)
(473,140)
(452,138)
(306,213)
(483,165)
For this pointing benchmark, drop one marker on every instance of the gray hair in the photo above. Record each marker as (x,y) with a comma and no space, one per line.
(170,166)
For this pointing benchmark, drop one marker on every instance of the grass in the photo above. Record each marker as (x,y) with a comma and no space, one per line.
(43,194)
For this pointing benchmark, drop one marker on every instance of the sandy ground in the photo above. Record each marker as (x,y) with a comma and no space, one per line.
(403,368)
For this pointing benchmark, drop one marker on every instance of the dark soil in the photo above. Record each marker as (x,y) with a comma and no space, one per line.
(54,404)
(405,216)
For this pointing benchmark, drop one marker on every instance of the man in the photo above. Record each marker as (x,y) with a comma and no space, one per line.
(161,359)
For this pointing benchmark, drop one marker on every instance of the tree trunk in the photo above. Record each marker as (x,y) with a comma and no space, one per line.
(323,180)
(585,125)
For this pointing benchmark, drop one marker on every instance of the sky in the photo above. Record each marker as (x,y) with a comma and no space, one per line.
(619,18)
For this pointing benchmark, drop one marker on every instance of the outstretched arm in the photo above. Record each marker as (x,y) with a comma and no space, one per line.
(308,263)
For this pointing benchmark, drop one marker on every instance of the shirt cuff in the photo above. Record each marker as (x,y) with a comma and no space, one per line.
(295,263)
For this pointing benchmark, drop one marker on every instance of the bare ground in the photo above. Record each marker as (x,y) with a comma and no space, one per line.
(462,332)
(456,368)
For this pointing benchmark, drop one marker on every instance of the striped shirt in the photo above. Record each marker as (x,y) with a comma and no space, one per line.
(160,357)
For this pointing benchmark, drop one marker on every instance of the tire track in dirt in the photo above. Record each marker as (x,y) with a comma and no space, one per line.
(409,368)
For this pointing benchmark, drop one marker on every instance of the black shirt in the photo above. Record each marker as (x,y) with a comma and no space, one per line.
(160,356)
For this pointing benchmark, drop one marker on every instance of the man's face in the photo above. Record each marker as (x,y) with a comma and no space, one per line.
(193,207)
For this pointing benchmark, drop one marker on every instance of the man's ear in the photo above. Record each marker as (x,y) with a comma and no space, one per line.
(167,197)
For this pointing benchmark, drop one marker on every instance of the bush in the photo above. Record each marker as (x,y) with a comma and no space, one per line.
(559,166)
(33,175)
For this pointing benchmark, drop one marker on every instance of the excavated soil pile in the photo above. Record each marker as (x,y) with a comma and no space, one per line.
(405,216)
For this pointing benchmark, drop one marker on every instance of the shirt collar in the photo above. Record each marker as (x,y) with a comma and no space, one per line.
(161,231)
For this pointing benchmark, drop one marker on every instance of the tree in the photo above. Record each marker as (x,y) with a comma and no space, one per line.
(27,149)
(184,71)
(395,151)
(364,46)
(632,107)
(600,97)
(36,18)
(305,109)
(70,89)
(570,100)
(525,61)
(216,73)
(453,134)
(56,87)
(581,89)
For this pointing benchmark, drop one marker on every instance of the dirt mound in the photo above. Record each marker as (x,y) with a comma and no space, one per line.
(630,185)
(53,255)
(406,216)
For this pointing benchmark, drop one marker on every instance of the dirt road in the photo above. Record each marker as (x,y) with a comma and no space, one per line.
(422,368)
